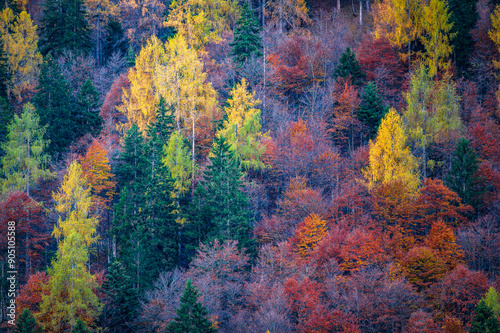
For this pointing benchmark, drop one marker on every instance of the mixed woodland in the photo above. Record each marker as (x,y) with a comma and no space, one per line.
(251,165)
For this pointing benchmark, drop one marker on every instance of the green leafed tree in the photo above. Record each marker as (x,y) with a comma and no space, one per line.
(121,302)
(64,27)
(432,114)
(372,110)
(463,178)
(242,127)
(25,160)
(177,159)
(220,207)
(349,66)
(247,40)
(26,323)
(484,321)
(192,317)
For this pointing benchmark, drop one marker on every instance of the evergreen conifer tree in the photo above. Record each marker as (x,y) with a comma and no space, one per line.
(12,4)
(371,110)
(349,66)
(464,17)
(26,323)
(5,119)
(115,39)
(88,110)
(144,224)
(484,320)
(80,327)
(64,27)
(54,104)
(191,315)
(220,207)
(247,40)
(122,301)
(463,178)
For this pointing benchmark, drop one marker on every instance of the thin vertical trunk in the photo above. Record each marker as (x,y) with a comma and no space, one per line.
(338,5)
(367,6)
(361,12)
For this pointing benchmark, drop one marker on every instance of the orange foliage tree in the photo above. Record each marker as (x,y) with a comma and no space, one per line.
(308,234)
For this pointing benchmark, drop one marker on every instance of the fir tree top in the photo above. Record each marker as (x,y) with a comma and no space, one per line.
(247,40)
(349,66)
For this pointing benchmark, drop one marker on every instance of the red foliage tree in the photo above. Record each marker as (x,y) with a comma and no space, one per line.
(30,294)
(459,292)
(383,66)
(32,232)
(421,322)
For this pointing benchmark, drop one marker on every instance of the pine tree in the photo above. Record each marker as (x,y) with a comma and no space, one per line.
(349,66)
(464,16)
(89,120)
(463,178)
(25,160)
(64,27)
(26,323)
(122,302)
(247,40)
(220,207)
(80,327)
(12,4)
(54,104)
(191,315)
(132,164)
(115,39)
(371,110)
(6,115)
(144,224)
(484,320)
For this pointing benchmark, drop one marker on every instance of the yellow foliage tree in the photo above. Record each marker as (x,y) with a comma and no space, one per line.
(21,45)
(494,32)
(390,158)
(73,203)
(399,22)
(287,13)
(139,102)
(242,127)
(199,21)
(436,36)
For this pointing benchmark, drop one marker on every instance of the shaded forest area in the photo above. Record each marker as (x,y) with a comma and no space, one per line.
(262,166)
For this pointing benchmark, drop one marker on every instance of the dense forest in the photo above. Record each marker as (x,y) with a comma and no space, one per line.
(250,166)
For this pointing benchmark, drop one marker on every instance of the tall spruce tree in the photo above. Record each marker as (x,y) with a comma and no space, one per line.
(464,16)
(484,321)
(192,317)
(115,39)
(349,66)
(54,104)
(144,226)
(64,27)
(220,207)
(26,323)
(247,40)
(121,302)
(371,110)
(89,120)
(6,115)
(463,177)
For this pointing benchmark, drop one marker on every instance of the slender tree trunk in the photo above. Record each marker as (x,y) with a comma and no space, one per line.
(361,12)
(338,5)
